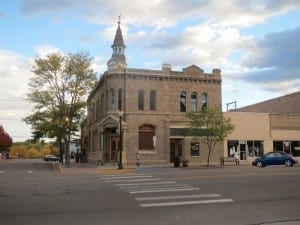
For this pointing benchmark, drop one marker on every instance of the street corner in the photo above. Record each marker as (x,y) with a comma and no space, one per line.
(115,171)
(57,167)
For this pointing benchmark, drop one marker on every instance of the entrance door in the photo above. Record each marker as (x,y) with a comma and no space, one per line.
(114,148)
(242,151)
(175,149)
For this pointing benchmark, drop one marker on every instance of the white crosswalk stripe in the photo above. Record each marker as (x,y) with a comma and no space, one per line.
(160,204)
(177,197)
(144,184)
(140,184)
(164,190)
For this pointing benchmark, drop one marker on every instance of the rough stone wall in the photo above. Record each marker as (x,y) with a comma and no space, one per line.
(168,86)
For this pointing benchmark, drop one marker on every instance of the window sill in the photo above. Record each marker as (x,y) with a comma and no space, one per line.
(147,152)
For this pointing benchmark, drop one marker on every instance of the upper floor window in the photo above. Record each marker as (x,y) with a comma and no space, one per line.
(141,99)
(120,99)
(112,99)
(204,101)
(183,101)
(194,102)
(153,100)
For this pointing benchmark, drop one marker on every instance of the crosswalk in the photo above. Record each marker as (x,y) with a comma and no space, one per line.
(150,191)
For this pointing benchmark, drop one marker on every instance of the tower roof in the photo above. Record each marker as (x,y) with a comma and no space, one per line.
(118,59)
(118,41)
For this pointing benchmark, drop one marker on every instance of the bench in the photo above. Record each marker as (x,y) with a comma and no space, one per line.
(229,159)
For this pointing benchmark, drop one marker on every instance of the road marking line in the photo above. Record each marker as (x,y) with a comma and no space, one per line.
(149,183)
(164,190)
(29,171)
(2,171)
(185,203)
(122,177)
(153,187)
(118,175)
(177,197)
(138,180)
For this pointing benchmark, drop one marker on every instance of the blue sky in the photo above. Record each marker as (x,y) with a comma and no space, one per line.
(255,43)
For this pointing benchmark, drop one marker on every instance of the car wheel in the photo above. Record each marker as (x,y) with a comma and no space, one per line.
(288,163)
(259,164)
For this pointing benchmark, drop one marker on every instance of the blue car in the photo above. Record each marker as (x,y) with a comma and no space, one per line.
(274,158)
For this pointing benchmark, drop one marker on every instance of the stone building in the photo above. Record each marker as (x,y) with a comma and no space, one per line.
(143,112)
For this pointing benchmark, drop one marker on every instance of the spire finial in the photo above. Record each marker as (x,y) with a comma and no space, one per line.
(119,19)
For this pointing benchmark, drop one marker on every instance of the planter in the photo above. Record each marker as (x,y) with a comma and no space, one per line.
(185,163)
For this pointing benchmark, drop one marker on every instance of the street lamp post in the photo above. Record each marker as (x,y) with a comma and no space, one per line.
(67,142)
(120,166)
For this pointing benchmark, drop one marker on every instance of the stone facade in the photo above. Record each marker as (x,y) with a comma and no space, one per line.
(151,107)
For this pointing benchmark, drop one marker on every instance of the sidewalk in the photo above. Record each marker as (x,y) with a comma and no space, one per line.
(110,168)
(89,168)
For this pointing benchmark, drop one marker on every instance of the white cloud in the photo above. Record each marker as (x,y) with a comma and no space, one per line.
(99,64)
(14,76)
(44,50)
(162,13)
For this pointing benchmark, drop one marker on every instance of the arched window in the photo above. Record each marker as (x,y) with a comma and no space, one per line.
(183,101)
(146,137)
(204,101)
(112,99)
(141,99)
(194,102)
(153,100)
(120,99)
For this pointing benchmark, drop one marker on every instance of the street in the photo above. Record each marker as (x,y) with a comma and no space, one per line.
(31,192)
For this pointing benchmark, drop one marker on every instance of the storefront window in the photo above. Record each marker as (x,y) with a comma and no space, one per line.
(255,148)
(296,148)
(290,147)
(195,149)
(232,148)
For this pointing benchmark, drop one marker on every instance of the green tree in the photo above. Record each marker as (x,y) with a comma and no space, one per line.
(211,127)
(58,90)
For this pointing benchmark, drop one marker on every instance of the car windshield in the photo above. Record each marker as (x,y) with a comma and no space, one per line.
(284,153)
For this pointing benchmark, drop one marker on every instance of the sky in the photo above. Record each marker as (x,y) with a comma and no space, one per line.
(256,43)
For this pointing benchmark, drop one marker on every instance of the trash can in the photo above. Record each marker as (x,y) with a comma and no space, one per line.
(77,158)
(176,162)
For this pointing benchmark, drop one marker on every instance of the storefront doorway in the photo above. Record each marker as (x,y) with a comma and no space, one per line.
(176,148)
(244,149)
(243,152)
(114,148)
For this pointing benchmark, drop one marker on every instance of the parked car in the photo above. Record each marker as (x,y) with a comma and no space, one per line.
(274,158)
(52,158)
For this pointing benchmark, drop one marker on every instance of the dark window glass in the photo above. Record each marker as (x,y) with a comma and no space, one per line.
(204,101)
(146,134)
(120,99)
(112,99)
(153,100)
(194,102)
(141,100)
(183,101)
(195,149)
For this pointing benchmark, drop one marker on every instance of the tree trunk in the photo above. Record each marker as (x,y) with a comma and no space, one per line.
(67,151)
(61,151)
(208,157)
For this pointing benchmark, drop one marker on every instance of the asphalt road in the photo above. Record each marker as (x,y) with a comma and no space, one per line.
(32,193)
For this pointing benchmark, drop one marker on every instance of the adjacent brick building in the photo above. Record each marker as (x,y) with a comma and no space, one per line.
(150,106)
